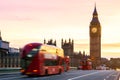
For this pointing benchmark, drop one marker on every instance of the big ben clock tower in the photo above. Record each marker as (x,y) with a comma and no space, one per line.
(95,39)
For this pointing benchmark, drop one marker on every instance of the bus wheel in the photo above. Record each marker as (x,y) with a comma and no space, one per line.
(46,72)
(60,71)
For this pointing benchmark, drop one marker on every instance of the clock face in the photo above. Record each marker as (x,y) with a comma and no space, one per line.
(94,30)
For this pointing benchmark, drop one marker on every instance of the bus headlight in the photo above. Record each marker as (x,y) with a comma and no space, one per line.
(29,55)
(22,70)
(35,70)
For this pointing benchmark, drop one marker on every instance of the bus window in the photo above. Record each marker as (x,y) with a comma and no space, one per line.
(49,62)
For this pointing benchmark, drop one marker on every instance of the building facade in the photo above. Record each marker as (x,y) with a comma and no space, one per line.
(9,57)
(4,51)
(75,58)
(14,57)
(68,47)
(95,39)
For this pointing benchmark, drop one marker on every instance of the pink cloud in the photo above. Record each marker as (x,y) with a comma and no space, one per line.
(37,6)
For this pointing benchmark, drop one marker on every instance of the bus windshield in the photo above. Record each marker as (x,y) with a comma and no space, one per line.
(25,62)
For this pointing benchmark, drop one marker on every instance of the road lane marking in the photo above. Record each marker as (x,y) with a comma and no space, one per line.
(84,75)
(110,75)
(117,76)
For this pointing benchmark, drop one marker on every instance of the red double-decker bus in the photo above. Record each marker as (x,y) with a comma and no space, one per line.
(85,65)
(42,59)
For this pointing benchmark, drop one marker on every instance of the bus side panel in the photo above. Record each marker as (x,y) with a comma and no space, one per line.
(54,69)
(41,63)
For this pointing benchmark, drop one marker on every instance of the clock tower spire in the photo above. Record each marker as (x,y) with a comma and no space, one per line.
(95,11)
(95,16)
(95,39)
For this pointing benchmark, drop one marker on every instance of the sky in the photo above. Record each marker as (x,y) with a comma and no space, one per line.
(24,21)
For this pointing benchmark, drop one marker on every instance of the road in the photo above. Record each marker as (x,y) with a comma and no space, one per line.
(70,75)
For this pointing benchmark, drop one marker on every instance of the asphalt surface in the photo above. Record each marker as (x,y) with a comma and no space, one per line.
(70,75)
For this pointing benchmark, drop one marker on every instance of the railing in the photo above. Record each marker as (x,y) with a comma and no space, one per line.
(9,70)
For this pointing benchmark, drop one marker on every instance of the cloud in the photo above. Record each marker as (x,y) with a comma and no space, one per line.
(111,46)
(107,50)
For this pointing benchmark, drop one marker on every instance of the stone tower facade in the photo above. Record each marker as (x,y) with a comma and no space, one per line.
(95,39)
(50,42)
(68,47)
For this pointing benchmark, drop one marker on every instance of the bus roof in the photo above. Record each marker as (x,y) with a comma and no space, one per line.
(58,51)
